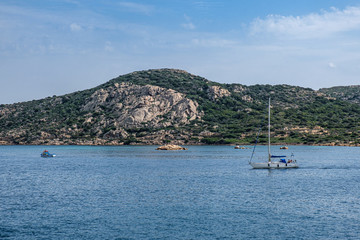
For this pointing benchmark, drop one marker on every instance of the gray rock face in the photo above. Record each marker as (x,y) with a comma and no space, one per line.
(134,105)
(110,116)
(216,92)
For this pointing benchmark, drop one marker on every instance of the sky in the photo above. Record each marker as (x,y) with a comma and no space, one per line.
(55,47)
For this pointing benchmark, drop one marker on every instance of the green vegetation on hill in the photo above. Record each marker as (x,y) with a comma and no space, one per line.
(231,114)
(348,93)
(299,115)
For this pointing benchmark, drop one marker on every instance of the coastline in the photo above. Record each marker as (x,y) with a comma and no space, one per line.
(4,143)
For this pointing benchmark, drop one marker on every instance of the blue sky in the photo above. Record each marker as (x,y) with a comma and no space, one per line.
(54,47)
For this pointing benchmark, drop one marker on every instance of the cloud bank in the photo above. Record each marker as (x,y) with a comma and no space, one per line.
(315,25)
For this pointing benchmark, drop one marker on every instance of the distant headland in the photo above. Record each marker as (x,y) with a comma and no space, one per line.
(162,106)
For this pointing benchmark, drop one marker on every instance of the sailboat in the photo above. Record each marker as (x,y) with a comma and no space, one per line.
(273,161)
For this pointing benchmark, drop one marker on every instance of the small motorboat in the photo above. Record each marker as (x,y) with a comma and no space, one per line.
(239,147)
(46,154)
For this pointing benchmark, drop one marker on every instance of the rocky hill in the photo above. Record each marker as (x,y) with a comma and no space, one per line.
(348,93)
(172,106)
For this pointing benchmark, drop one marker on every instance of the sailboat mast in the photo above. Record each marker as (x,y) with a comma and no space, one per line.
(269,134)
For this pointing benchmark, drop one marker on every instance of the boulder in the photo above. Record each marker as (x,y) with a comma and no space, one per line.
(171,147)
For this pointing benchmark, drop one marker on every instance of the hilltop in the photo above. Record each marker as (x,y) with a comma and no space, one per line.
(348,93)
(172,106)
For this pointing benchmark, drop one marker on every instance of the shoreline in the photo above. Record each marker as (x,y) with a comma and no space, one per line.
(247,145)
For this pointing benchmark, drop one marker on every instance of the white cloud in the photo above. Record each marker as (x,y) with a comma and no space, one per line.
(188,25)
(75,27)
(331,65)
(213,43)
(136,7)
(315,25)
(109,47)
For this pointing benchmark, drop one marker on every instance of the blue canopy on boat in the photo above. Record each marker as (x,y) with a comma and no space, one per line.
(274,156)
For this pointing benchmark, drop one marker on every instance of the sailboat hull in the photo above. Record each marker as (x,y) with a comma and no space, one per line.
(270,165)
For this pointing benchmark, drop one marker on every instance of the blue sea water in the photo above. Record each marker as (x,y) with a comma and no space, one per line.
(206,192)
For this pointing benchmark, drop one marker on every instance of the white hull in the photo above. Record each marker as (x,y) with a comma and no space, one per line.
(266,165)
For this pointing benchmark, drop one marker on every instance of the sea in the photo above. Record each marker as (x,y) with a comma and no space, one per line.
(205,192)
